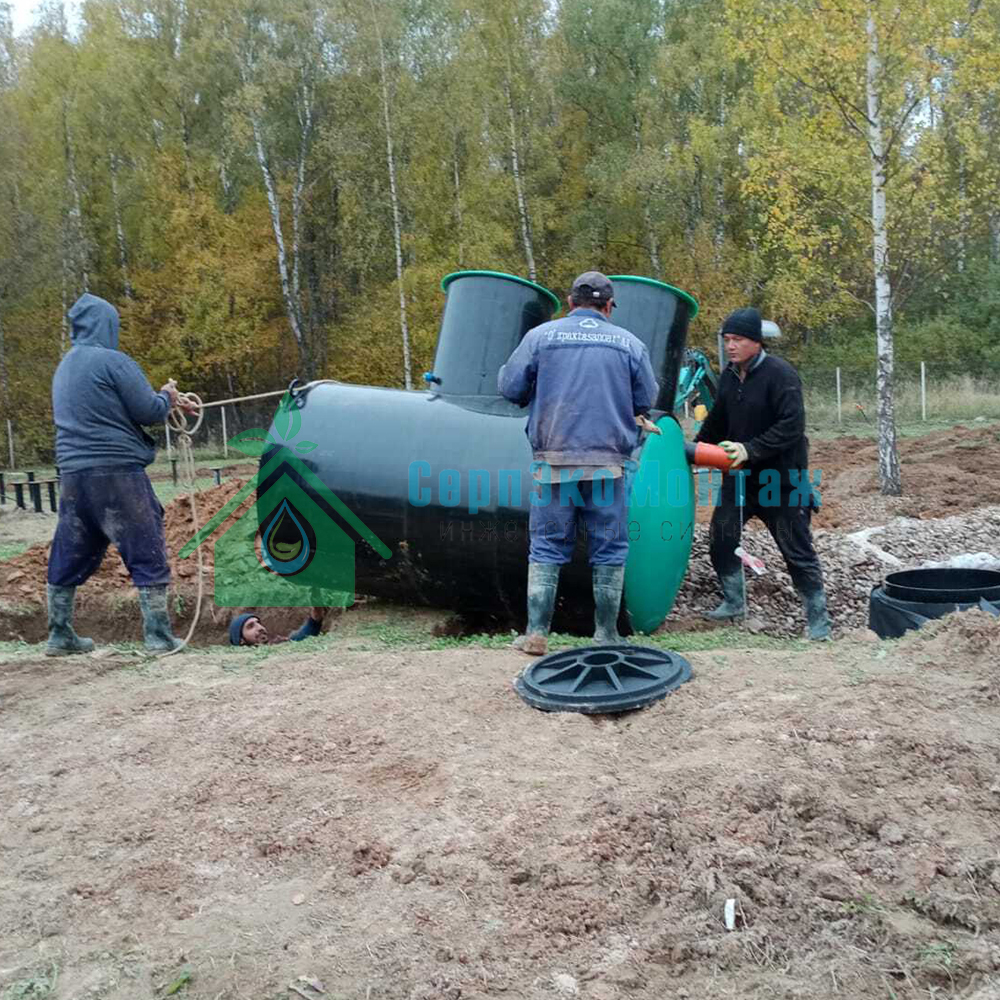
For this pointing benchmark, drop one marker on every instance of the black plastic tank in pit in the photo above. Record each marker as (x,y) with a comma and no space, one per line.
(443,476)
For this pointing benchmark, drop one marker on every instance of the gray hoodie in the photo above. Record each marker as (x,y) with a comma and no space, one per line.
(100,396)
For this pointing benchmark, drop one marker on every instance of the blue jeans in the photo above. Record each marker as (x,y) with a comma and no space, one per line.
(108,506)
(599,505)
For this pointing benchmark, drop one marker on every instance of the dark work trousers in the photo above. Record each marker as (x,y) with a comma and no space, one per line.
(115,506)
(599,508)
(789,527)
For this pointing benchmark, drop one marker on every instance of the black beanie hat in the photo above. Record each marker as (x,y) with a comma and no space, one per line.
(236,628)
(744,323)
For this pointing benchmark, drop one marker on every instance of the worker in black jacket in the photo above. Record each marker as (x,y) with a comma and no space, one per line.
(759,419)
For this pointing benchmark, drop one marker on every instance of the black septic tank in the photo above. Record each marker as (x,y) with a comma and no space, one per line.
(485,316)
(660,321)
(442,476)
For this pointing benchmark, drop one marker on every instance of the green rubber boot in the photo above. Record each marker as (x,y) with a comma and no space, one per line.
(734,603)
(608,584)
(543,581)
(817,617)
(63,641)
(156,627)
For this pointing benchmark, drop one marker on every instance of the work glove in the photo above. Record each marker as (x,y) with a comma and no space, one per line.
(737,453)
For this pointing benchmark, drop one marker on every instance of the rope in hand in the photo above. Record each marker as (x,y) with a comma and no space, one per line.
(189,404)
(188,407)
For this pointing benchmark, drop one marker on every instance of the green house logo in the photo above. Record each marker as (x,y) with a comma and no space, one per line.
(288,550)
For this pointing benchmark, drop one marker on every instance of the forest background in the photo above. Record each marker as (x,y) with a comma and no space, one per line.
(269,188)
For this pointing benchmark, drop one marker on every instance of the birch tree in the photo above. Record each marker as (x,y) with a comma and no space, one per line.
(278,52)
(390,164)
(9,247)
(841,87)
(511,43)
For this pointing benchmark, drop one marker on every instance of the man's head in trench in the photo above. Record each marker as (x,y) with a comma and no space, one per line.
(248,630)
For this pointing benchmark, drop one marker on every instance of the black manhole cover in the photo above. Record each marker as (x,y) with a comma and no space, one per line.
(597,679)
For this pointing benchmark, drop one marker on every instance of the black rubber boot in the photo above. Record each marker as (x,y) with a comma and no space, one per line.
(817,616)
(734,602)
(543,581)
(608,583)
(63,641)
(156,627)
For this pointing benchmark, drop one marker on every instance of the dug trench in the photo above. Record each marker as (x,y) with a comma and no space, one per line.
(949,507)
(397,825)
(107,607)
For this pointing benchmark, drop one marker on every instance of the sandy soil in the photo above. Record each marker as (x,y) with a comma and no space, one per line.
(401,826)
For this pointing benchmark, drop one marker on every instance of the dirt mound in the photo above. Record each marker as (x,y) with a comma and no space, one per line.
(23,577)
(943,473)
(107,607)
(965,640)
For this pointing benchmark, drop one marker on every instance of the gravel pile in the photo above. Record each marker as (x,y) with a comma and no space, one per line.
(853,563)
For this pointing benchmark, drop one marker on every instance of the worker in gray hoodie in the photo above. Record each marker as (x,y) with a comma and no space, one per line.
(100,400)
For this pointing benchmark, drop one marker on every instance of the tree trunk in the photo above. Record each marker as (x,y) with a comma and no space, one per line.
(4,376)
(458,208)
(77,247)
(647,216)
(995,238)
(397,224)
(720,186)
(64,297)
(305,114)
(888,459)
(291,306)
(963,215)
(120,228)
(522,205)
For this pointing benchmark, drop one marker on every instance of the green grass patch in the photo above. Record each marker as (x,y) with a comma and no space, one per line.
(12,549)
(36,987)
(951,402)
(166,491)
(678,642)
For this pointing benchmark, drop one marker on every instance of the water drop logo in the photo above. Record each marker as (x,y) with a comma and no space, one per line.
(287,540)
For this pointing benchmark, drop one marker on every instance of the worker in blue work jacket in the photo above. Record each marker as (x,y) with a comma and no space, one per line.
(100,400)
(584,381)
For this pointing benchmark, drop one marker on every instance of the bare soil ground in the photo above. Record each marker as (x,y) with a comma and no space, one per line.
(399,825)
(390,822)
(943,473)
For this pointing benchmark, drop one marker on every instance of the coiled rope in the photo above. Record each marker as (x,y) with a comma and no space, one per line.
(184,425)
(178,421)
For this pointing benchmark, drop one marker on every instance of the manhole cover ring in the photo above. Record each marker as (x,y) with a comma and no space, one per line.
(601,679)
